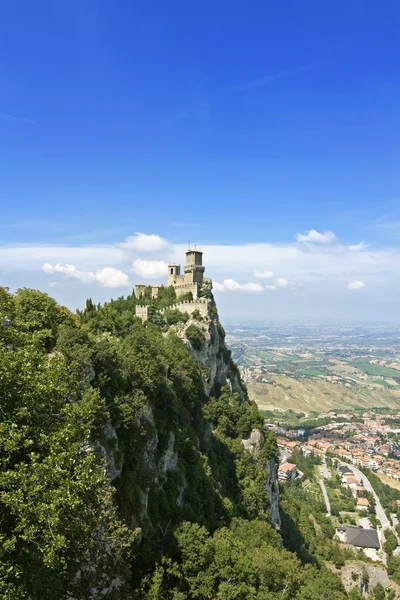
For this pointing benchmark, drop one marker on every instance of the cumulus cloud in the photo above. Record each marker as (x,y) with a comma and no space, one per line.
(282,282)
(263,274)
(65,269)
(150,269)
(108,277)
(229,285)
(111,278)
(355,285)
(142,242)
(316,237)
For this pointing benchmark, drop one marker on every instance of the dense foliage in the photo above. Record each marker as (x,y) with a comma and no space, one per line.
(105,429)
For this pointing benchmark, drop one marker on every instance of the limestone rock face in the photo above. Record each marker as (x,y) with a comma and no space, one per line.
(254,444)
(213,357)
(273,491)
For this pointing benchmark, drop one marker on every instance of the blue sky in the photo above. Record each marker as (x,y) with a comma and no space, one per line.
(235,125)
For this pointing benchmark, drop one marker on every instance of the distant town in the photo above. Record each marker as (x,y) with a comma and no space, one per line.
(370,443)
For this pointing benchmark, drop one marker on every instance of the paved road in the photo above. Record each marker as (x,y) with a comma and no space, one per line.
(325,494)
(380,513)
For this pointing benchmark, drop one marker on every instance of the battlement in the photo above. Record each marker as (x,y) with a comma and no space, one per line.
(186,306)
(142,312)
(189,306)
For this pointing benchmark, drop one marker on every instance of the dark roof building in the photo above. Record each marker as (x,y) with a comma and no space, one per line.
(345,470)
(363,538)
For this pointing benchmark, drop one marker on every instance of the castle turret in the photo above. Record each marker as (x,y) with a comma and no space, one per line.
(139,289)
(174,272)
(194,269)
(192,280)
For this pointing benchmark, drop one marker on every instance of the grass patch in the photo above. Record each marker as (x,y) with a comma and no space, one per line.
(386,384)
(393,483)
(310,372)
(374,370)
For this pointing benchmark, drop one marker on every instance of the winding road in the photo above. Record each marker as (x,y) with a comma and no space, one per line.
(380,513)
(325,494)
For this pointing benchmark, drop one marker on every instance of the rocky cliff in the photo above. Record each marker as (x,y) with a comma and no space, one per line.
(204,339)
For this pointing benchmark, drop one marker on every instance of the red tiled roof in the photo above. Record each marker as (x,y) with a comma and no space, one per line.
(287,467)
(362,502)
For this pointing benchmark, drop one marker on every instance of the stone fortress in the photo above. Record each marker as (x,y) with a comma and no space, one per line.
(192,281)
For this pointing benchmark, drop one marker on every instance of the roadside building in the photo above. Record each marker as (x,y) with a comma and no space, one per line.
(362,538)
(344,470)
(350,482)
(287,472)
(307,452)
(362,503)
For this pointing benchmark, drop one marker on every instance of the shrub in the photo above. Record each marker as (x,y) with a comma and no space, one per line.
(173,316)
(196,315)
(195,336)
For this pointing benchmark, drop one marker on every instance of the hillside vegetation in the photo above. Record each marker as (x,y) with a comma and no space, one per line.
(121,478)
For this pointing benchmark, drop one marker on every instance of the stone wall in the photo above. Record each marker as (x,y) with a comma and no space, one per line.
(142,312)
(185,287)
(189,307)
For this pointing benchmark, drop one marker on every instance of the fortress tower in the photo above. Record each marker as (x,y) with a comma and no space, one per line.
(194,269)
(192,280)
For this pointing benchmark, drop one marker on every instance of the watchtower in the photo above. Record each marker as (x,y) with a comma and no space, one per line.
(174,272)
(139,289)
(194,269)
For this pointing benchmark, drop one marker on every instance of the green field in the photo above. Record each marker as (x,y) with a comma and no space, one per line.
(310,372)
(374,370)
(386,384)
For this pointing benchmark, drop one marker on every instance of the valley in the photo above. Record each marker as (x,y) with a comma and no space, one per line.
(312,367)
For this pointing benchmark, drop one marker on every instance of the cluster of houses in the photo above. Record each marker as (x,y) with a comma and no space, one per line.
(355,485)
(364,444)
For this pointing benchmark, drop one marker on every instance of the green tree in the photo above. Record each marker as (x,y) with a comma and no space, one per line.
(379,592)
(195,336)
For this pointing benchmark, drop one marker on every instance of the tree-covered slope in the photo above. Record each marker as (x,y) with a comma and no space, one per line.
(123,470)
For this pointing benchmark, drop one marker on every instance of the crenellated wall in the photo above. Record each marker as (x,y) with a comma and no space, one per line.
(189,306)
(142,312)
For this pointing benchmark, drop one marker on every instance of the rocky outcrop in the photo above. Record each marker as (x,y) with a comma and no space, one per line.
(213,357)
(254,444)
(273,491)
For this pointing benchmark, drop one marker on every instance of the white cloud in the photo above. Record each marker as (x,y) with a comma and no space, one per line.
(111,278)
(282,282)
(142,242)
(263,274)
(325,269)
(53,283)
(68,270)
(357,247)
(107,277)
(229,285)
(355,285)
(316,237)
(150,269)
